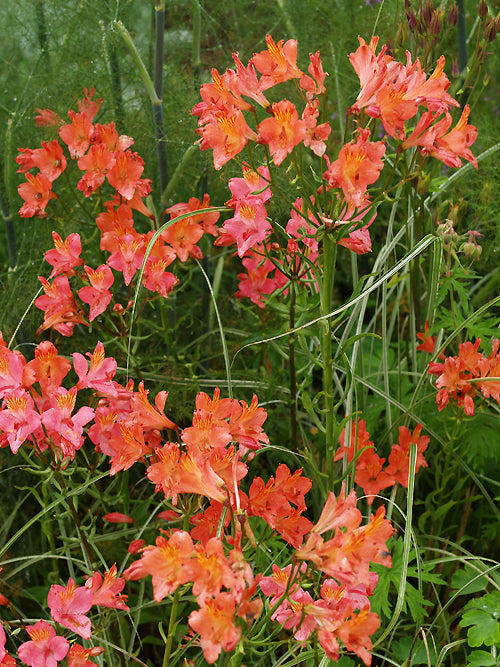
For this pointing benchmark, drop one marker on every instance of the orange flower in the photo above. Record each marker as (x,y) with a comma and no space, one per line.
(399,458)
(227,132)
(357,166)
(283,131)
(214,622)
(165,562)
(37,193)
(278,63)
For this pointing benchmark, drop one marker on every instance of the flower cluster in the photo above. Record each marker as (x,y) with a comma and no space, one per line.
(209,459)
(370,473)
(341,611)
(461,377)
(390,91)
(103,156)
(69,606)
(393,92)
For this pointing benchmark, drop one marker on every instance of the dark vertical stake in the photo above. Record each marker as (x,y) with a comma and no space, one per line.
(161,146)
(462,48)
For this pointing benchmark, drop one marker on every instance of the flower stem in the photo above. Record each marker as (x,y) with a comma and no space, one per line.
(329,255)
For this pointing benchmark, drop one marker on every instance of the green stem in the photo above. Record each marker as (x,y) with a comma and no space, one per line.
(293,373)
(171,628)
(329,255)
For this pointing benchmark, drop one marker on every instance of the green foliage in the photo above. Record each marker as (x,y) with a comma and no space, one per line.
(483,616)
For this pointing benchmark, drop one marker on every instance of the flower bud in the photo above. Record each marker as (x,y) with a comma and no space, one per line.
(453,15)
(436,24)
(446,232)
(471,250)
(412,19)
(427,13)
(482,9)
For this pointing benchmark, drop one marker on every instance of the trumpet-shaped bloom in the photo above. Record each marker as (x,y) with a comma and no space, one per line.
(106,592)
(18,419)
(358,165)
(249,225)
(283,131)
(97,294)
(226,132)
(68,606)
(76,135)
(278,63)
(164,562)
(215,623)
(101,372)
(65,255)
(37,193)
(45,648)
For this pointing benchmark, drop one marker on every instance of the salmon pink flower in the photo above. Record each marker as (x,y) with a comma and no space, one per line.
(68,606)
(97,294)
(59,306)
(358,241)
(65,255)
(49,159)
(99,375)
(450,146)
(357,166)
(278,63)
(283,131)
(19,419)
(245,81)
(316,135)
(315,83)
(399,458)
(79,656)
(227,132)
(47,118)
(156,278)
(249,225)
(127,446)
(125,175)
(66,429)
(37,193)
(47,368)
(183,473)
(254,183)
(107,592)
(164,562)
(214,622)
(45,648)
(76,135)
(89,106)
(184,234)
(127,256)
(95,163)
(256,282)
(245,424)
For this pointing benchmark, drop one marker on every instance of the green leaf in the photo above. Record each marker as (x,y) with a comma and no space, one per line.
(480,659)
(468,581)
(484,628)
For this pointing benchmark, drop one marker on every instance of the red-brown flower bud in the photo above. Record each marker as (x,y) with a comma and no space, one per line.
(453,15)
(482,9)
